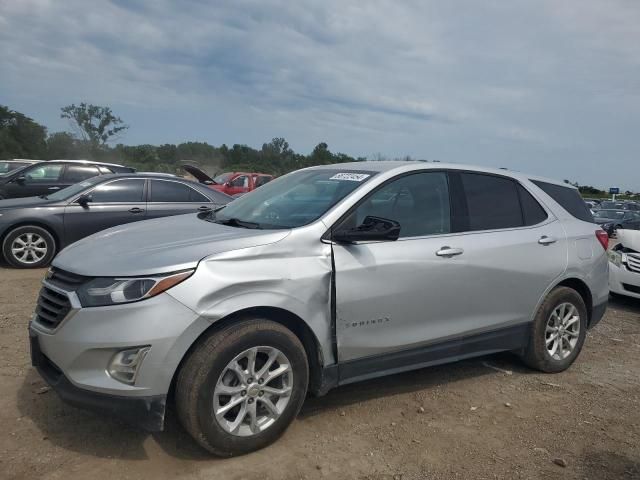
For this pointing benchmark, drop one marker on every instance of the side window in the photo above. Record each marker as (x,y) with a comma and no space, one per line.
(568,198)
(119,191)
(492,202)
(418,202)
(262,180)
(531,209)
(78,173)
(174,192)
(241,181)
(44,174)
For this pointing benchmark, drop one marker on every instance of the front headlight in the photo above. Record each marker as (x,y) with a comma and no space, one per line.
(617,258)
(113,291)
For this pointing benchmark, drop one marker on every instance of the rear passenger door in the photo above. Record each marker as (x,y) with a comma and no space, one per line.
(170,197)
(111,203)
(77,173)
(511,248)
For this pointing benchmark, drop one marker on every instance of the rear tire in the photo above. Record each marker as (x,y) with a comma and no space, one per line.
(558,331)
(218,373)
(29,246)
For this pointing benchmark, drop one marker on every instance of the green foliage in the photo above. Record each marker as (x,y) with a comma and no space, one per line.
(20,136)
(63,145)
(95,124)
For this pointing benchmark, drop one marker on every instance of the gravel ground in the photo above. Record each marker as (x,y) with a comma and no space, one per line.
(483,418)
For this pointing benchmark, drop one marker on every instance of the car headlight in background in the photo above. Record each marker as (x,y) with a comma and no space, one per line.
(113,291)
(616,257)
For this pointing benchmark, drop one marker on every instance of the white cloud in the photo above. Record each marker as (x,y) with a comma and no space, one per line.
(519,83)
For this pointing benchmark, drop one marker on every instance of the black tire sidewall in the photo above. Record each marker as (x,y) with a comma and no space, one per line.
(224,443)
(539,354)
(13,234)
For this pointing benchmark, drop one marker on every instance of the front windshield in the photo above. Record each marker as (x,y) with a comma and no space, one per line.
(73,190)
(6,167)
(610,214)
(293,200)
(222,178)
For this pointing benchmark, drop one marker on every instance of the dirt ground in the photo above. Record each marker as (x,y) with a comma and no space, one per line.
(485,418)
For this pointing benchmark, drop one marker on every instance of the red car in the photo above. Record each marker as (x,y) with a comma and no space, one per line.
(231,183)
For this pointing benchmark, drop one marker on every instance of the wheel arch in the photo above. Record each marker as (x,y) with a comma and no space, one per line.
(35,223)
(583,290)
(278,315)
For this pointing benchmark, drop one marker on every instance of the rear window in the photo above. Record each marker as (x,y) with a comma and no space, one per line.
(492,202)
(531,209)
(568,198)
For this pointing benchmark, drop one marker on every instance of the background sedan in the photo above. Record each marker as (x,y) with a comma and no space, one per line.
(34,229)
(612,220)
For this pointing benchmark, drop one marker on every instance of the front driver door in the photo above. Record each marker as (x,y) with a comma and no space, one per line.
(238,185)
(41,179)
(111,203)
(393,295)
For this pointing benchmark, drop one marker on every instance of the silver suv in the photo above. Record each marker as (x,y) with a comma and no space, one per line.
(323,277)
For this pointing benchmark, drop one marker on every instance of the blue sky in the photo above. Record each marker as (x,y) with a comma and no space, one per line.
(548,87)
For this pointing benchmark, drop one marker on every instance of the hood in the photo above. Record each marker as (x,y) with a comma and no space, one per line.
(199,174)
(24,202)
(157,246)
(629,239)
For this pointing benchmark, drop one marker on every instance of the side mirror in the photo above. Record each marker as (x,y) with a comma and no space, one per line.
(84,200)
(373,228)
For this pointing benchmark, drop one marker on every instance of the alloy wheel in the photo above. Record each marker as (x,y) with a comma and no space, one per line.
(253,391)
(562,331)
(29,248)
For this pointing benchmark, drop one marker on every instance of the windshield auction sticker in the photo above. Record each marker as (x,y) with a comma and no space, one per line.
(352,177)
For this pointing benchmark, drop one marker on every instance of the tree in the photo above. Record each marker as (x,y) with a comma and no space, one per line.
(96,125)
(20,136)
(63,145)
(321,155)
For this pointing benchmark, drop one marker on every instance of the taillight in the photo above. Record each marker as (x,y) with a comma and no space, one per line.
(603,238)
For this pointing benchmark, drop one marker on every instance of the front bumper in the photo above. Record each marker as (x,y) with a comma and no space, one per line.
(74,358)
(623,281)
(144,412)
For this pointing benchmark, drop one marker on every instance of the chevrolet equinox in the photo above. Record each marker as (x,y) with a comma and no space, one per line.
(325,276)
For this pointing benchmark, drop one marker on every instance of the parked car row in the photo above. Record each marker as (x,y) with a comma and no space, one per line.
(42,178)
(322,277)
(34,229)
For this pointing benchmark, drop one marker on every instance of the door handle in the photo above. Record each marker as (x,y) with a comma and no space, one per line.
(204,209)
(544,240)
(136,210)
(449,252)
(53,188)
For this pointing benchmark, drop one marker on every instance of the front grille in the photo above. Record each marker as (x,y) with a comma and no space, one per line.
(65,280)
(52,307)
(631,288)
(633,262)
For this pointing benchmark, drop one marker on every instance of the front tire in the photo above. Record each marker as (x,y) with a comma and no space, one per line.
(242,386)
(29,247)
(558,331)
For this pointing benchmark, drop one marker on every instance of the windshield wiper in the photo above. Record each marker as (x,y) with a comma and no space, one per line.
(234,222)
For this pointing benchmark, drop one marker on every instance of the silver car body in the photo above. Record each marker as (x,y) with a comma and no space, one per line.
(368,308)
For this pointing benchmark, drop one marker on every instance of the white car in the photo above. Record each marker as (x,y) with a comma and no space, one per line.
(624,264)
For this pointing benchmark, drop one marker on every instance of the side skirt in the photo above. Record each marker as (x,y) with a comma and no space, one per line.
(505,339)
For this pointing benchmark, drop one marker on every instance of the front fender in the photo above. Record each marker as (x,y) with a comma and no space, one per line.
(298,282)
